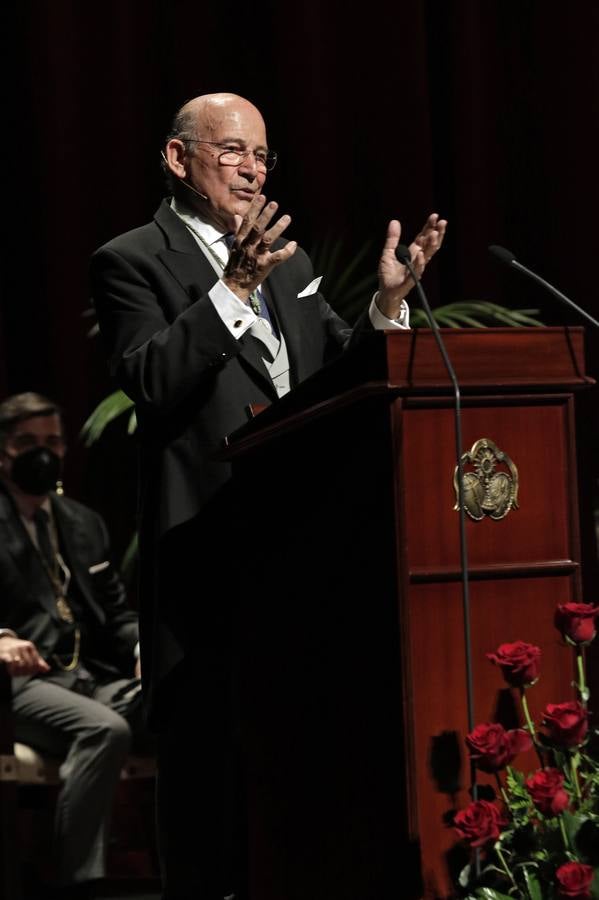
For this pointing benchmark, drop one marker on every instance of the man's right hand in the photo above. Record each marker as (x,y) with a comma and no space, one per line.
(251,260)
(21,657)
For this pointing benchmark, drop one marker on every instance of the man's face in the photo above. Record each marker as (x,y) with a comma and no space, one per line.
(28,434)
(236,125)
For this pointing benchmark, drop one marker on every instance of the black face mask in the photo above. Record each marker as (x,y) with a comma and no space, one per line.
(36,471)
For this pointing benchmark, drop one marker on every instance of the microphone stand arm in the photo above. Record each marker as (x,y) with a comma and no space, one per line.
(405,259)
(554,291)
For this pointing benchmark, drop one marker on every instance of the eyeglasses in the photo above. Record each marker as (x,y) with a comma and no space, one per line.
(266,160)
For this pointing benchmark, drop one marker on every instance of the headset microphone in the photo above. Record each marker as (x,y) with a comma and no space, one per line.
(191,188)
(182,180)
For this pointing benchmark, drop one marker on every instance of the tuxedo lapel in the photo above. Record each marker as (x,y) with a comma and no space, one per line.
(182,256)
(189,266)
(74,544)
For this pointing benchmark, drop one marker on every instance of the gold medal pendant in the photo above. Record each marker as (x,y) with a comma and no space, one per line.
(64,610)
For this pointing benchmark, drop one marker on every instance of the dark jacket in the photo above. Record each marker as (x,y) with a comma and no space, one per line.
(191,382)
(97,596)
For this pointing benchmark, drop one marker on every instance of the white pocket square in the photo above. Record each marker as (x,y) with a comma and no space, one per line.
(98,567)
(311,289)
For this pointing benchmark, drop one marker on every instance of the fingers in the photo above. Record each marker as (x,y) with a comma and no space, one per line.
(395,280)
(22,657)
(393,235)
(284,253)
(251,259)
(253,228)
(248,222)
(19,666)
(430,238)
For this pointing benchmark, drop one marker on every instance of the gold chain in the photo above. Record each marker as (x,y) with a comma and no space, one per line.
(63,607)
(75,657)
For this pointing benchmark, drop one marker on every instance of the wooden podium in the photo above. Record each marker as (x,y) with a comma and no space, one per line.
(353,670)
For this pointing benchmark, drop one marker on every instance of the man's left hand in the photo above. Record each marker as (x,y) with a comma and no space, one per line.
(395,281)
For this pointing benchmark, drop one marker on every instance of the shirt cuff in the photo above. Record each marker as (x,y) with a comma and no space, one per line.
(7,632)
(379,321)
(136,651)
(237,316)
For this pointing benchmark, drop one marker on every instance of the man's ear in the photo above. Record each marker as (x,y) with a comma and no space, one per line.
(174,157)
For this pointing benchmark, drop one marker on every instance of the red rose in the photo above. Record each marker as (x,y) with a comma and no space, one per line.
(492,747)
(576,621)
(567,723)
(546,788)
(574,880)
(479,823)
(519,662)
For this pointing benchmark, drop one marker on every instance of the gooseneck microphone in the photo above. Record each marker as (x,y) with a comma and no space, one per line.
(405,258)
(510,260)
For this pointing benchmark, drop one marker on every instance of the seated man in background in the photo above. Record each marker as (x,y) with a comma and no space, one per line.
(67,635)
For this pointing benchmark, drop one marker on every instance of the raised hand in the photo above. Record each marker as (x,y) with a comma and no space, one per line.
(395,281)
(251,259)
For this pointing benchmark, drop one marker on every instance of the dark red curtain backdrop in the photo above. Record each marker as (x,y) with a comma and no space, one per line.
(485,110)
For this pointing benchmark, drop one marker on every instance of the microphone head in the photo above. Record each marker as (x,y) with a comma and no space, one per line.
(501,253)
(403,254)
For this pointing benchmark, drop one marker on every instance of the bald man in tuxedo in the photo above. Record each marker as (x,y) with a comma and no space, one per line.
(203,311)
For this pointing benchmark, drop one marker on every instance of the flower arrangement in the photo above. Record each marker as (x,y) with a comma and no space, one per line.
(537,836)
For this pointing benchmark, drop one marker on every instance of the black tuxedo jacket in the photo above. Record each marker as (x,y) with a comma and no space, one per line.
(191,381)
(27,600)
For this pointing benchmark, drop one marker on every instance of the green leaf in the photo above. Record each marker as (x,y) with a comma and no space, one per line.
(464,877)
(345,277)
(532,884)
(129,557)
(572,824)
(104,413)
(476,314)
(488,893)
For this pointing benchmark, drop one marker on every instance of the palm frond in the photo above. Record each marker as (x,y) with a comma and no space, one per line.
(476,314)
(132,423)
(129,559)
(343,280)
(104,413)
(325,255)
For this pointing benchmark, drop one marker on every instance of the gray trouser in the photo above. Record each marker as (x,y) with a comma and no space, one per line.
(94,741)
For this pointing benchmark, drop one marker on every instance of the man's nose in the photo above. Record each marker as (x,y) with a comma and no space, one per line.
(249,165)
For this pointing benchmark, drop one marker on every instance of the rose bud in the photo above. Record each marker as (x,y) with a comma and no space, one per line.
(566,723)
(519,662)
(576,621)
(546,789)
(479,823)
(574,880)
(492,748)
